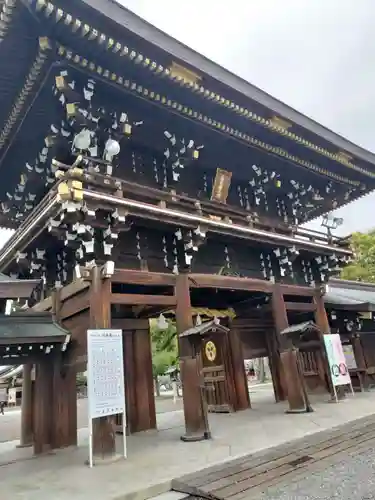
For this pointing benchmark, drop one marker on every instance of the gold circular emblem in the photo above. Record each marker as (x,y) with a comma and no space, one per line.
(210,351)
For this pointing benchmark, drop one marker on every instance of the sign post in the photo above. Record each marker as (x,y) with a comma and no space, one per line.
(337,362)
(105,379)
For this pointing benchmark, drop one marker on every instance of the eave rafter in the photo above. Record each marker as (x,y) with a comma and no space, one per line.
(31,81)
(275,124)
(192,226)
(7,9)
(139,90)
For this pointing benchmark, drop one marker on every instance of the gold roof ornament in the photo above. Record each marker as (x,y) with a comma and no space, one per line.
(279,123)
(178,72)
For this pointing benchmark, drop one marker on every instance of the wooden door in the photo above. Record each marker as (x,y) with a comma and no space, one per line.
(313,370)
(217,387)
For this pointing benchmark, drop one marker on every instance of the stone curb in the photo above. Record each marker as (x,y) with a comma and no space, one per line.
(145,493)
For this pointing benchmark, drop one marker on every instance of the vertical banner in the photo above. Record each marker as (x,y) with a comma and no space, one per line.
(105,378)
(336,360)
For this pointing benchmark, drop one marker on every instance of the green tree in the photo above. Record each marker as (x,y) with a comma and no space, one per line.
(363,266)
(164,349)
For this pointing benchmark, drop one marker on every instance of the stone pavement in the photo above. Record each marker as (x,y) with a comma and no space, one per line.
(10,423)
(155,458)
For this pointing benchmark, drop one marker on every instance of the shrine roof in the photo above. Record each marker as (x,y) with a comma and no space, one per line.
(102,38)
(208,326)
(14,288)
(129,21)
(299,328)
(350,295)
(31,327)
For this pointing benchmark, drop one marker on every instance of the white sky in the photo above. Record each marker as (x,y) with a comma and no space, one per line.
(315,55)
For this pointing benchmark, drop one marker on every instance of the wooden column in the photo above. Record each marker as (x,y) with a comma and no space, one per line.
(64,430)
(139,383)
(104,443)
(358,351)
(280,319)
(42,405)
(27,407)
(321,321)
(196,426)
(242,400)
(144,383)
(289,373)
(320,314)
(64,410)
(130,384)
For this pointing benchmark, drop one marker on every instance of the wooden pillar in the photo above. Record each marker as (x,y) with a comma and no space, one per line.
(242,400)
(42,405)
(358,351)
(291,382)
(130,384)
(322,322)
(196,426)
(104,444)
(27,407)
(320,314)
(139,383)
(144,382)
(64,386)
(64,429)
(274,341)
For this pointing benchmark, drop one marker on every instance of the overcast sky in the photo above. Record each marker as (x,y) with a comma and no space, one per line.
(318,56)
(315,55)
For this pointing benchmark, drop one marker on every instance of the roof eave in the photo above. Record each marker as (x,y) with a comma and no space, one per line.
(135,24)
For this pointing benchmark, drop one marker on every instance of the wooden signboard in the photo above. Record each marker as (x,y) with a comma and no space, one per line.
(221,185)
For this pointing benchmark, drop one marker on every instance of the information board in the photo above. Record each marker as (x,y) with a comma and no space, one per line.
(105,373)
(336,360)
(105,378)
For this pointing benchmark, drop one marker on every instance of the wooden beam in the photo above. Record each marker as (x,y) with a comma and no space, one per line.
(300,307)
(302,291)
(229,282)
(143,300)
(133,277)
(17,290)
(292,306)
(128,325)
(74,305)
(44,305)
(73,288)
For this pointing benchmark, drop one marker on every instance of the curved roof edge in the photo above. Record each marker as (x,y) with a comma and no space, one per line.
(135,24)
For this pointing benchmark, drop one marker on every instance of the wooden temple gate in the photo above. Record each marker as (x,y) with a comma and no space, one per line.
(131,189)
(91,303)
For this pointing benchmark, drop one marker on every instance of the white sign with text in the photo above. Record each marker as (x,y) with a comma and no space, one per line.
(105,377)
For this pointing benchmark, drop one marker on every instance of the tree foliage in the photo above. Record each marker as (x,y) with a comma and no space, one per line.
(164,347)
(363,266)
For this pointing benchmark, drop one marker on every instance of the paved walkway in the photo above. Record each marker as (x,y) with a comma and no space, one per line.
(157,457)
